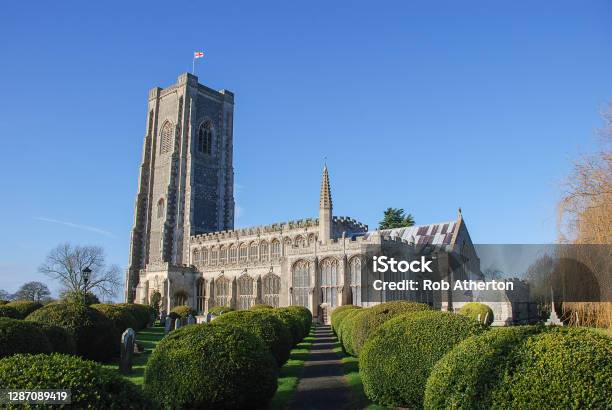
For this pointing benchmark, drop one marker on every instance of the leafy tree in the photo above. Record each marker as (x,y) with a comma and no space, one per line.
(155,302)
(395,218)
(66,264)
(35,291)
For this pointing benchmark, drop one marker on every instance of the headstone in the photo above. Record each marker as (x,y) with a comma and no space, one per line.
(169,325)
(127,350)
(191,320)
(209,317)
(177,323)
(162,319)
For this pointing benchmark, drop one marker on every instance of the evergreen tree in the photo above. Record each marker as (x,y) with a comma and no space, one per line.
(395,218)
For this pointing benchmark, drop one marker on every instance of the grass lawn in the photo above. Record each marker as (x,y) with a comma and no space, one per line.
(290,373)
(147,339)
(351,375)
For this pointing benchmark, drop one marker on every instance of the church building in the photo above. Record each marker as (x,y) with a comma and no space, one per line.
(184,245)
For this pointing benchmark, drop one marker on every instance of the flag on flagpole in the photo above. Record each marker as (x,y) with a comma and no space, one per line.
(198,54)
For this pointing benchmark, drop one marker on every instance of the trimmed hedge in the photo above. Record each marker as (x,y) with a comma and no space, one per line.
(465,376)
(304,316)
(559,368)
(182,311)
(121,317)
(219,310)
(18,336)
(266,325)
(257,307)
(91,385)
(24,307)
(142,313)
(61,339)
(93,332)
(211,366)
(474,309)
(346,330)
(366,324)
(396,361)
(8,311)
(338,314)
(291,321)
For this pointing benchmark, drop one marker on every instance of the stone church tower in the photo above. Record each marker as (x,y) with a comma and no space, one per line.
(186,176)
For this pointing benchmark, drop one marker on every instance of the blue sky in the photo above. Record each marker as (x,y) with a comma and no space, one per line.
(429,106)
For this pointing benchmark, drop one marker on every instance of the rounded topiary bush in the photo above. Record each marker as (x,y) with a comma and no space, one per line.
(60,338)
(18,336)
(264,324)
(366,324)
(395,362)
(465,376)
(211,366)
(304,316)
(25,307)
(182,311)
(8,311)
(291,322)
(346,330)
(121,317)
(91,385)
(142,313)
(94,333)
(478,311)
(257,307)
(219,310)
(559,368)
(338,314)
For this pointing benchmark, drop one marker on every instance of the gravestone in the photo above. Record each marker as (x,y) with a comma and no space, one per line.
(177,323)
(191,320)
(169,325)
(162,319)
(127,350)
(209,317)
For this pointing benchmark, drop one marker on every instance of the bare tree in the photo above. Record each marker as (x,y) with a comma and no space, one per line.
(66,264)
(4,295)
(36,291)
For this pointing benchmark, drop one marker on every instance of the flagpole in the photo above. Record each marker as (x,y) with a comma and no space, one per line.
(193,66)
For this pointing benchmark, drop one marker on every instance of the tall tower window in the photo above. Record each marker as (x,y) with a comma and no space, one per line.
(161,208)
(301,283)
(275,249)
(205,137)
(166,138)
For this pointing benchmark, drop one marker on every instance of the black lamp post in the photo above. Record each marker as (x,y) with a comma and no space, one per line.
(86,275)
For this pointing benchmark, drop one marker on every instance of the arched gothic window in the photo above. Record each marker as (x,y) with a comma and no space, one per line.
(298,241)
(223,255)
(245,292)
(214,254)
(253,251)
(311,239)
(222,291)
(263,251)
(271,289)
(204,256)
(242,253)
(166,138)
(286,244)
(275,249)
(205,138)
(180,298)
(329,281)
(201,293)
(196,257)
(301,283)
(161,208)
(355,275)
(233,252)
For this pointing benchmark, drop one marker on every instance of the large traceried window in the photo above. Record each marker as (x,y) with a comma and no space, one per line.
(311,239)
(301,283)
(205,138)
(275,249)
(204,256)
(242,252)
(214,254)
(271,289)
(166,138)
(253,251)
(298,241)
(161,208)
(329,281)
(196,257)
(200,294)
(223,255)
(222,291)
(263,251)
(245,292)
(233,254)
(355,275)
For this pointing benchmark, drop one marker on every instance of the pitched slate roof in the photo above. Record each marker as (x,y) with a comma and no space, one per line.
(434,234)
